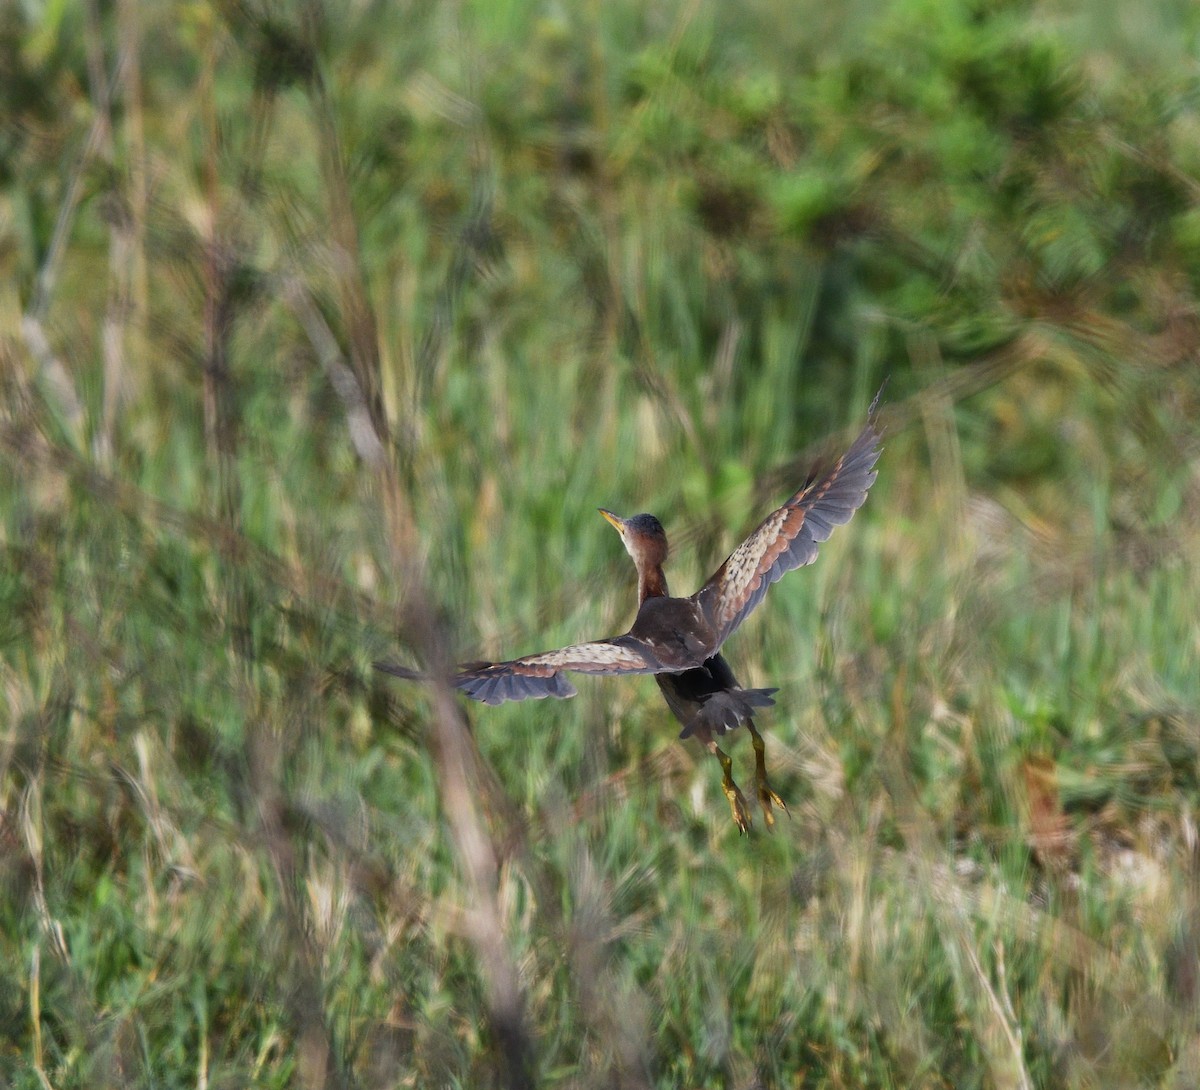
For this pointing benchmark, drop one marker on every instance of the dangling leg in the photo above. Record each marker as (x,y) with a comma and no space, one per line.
(737,801)
(766,797)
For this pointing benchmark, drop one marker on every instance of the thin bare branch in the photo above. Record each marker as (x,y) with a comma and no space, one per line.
(342,377)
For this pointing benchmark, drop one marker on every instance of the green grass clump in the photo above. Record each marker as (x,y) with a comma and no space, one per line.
(326,330)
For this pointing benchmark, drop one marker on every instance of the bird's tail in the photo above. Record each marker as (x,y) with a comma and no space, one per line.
(729,709)
(758,698)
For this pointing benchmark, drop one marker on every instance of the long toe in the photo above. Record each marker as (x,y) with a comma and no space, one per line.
(737,804)
(769,800)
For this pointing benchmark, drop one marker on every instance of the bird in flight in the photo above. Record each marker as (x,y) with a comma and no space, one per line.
(678,640)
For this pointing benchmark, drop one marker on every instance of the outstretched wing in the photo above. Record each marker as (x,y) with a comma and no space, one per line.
(788,538)
(536,676)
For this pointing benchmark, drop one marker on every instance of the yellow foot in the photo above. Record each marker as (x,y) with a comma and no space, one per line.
(768,800)
(737,803)
(766,797)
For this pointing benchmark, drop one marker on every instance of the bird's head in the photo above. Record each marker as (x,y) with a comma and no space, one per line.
(643,536)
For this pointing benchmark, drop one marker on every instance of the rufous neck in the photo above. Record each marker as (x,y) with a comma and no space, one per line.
(651,582)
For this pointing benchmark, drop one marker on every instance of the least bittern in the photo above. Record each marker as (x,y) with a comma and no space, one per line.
(678,640)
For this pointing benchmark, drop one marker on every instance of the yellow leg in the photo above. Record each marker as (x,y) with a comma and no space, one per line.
(737,801)
(766,797)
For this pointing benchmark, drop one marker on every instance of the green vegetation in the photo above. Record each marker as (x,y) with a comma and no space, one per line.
(324,330)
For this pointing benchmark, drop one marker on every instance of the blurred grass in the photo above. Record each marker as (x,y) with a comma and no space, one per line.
(324,332)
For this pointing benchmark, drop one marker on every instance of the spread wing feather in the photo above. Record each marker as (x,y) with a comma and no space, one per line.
(788,538)
(537,676)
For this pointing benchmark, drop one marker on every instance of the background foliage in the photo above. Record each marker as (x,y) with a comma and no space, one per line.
(324,329)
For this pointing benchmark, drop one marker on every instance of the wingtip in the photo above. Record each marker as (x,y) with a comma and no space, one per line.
(873,427)
(396,670)
(873,408)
